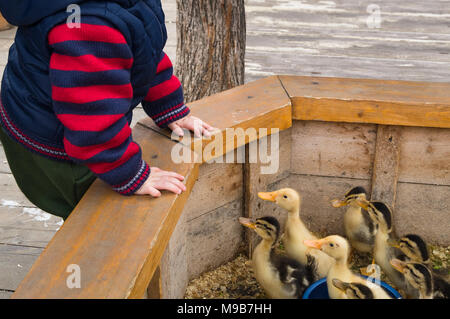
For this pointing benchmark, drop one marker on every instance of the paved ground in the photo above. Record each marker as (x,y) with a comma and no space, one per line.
(344,38)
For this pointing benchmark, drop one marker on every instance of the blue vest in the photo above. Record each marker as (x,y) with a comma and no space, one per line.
(26,90)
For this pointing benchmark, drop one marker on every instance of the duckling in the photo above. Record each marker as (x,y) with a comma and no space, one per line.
(415,248)
(359,227)
(338,248)
(383,252)
(418,276)
(353,290)
(295,233)
(280,276)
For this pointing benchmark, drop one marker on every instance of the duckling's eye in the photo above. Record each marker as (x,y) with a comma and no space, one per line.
(284,196)
(331,245)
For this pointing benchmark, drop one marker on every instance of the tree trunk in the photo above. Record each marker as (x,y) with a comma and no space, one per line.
(211,46)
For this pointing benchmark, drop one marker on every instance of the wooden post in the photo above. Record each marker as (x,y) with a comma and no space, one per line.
(252,185)
(386,163)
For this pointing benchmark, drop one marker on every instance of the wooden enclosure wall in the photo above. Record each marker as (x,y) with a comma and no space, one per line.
(321,160)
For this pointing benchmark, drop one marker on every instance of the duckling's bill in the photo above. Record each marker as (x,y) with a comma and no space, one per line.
(316,244)
(270,196)
(398,265)
(338,203)
(247,222)
(393,243)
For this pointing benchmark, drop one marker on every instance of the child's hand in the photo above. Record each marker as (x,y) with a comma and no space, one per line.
(161,180)
(191,123)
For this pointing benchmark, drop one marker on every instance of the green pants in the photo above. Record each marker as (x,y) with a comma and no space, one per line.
(53,186)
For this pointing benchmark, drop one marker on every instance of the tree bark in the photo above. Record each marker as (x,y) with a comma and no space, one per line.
(210,46)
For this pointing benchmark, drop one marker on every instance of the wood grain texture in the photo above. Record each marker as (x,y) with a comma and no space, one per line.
(117,241)
(211,46)
(425,154)
(369,101)
(333,149)
(260,104)
(424,210)
(214,238)
(15,263)
(385,164)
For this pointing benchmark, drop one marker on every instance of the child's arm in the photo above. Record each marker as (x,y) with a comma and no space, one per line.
(164,102)
(91,91)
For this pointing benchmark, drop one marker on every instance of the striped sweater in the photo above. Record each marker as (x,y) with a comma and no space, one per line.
(92,96)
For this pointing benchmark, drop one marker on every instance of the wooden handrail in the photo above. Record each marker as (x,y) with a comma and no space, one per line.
(118,241)
(369,101)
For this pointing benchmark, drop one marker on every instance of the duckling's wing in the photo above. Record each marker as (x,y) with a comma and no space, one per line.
(292,274)
(366,233)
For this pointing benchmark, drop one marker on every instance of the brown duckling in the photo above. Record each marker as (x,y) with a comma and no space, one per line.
(281,277)
(383,253)
(353,290)
(296,232)
(418,276)
(359,227)
(415,248)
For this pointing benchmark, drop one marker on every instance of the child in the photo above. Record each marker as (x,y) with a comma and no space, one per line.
(68,92)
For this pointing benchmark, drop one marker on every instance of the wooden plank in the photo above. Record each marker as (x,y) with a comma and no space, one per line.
(173,265)
(116,241)
(27,226)
(369,101)
(333,149)
(424,210)
(214,238)
(425,154)
(260,104)
(5,294)
(15,263)
(385,165)
(217,185)
(154,290)
(253,183)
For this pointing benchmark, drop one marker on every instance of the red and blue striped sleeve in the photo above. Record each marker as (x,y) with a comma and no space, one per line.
(92,93)
(164,102)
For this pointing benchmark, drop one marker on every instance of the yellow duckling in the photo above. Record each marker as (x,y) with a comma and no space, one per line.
(359,227)
(295,232)
(281,277)
(338,248)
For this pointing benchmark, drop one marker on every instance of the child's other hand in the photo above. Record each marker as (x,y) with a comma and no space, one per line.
(161,180)
(191,123)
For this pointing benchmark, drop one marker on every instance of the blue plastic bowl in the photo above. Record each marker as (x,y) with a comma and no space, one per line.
(319,290)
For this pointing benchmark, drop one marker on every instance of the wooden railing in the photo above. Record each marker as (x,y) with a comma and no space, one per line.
(118,242)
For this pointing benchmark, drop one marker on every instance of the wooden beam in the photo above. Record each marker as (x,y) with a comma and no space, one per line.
(116,241)
(369,101)
(259,104)
(386,164)
(154,289)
